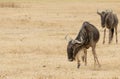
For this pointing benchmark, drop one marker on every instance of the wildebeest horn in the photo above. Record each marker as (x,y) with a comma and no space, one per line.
(109,10)
(68,38)
(76,41)
(98,12)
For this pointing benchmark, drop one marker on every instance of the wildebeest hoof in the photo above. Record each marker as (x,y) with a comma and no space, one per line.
(109,42)
(44,66)
(103,42)
(99,66)
(78,66)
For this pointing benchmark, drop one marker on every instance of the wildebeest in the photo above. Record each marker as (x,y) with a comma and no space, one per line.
(87,37)
(109,20)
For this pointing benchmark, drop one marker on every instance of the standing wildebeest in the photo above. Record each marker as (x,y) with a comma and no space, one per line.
(87,37)
(109,20)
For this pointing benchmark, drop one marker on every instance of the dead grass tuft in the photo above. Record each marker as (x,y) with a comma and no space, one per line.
(115,78)
(47,77)
(9,5)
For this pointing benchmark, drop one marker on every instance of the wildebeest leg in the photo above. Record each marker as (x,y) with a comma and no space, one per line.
(97,60)
(116,34)
(78,64)
(78,61)
(104,35)
(85,56)
(110,36)
(95,57)
(93,51)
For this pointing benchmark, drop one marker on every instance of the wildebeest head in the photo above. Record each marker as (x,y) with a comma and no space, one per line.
(71,48)
(103,15)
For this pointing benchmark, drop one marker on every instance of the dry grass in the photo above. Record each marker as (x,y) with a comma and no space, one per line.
(32,44)
(9,5)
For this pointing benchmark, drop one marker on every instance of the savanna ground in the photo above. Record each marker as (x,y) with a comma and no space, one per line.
(32,44)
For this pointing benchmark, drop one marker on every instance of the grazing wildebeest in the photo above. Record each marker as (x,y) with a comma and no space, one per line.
(109,20)
(88,37)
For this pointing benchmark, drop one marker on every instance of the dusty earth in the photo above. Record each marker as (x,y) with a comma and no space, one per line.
(32,44)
